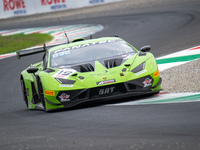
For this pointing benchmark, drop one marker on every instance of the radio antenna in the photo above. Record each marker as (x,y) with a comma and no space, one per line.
(64,30)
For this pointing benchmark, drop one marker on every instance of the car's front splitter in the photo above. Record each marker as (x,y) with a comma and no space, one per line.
(136,87)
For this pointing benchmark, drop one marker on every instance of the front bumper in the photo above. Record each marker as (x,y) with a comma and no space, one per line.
(136,87)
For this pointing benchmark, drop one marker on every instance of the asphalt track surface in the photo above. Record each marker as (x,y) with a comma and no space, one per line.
(167,28)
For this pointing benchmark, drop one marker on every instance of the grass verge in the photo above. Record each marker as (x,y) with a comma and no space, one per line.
(16,42)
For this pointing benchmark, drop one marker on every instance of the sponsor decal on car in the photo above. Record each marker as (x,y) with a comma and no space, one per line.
(147,82)
(64,73)
(106,82)
(84,45)
(108,90)
(140,72)
(29,104)
(121,74)
(27,91)
(124,69)
(66,85)
(64,97)
(61,53)
(80,77)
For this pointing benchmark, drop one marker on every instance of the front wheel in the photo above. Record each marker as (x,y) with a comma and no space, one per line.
(24,92)
(41,93)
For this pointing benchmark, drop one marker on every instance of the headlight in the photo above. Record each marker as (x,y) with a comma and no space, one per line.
(139,68)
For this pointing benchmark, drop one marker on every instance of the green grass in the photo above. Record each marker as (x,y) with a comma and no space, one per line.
(13,43)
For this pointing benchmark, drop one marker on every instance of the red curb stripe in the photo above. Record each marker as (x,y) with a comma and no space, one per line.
(9,32)
(195,48)
(162,93)
(47,30)
(68,31)
(7,55)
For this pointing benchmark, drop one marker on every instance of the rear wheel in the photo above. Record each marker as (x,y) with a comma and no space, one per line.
(24,92)
(41,93)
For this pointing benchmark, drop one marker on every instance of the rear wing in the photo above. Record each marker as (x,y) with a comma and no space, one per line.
(30,52)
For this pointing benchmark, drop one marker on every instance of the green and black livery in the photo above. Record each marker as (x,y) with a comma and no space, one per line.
(88,70)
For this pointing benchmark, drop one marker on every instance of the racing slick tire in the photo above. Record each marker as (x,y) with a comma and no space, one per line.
(41,93)
(24,92)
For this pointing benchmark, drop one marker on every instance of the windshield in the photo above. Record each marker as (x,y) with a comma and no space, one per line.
(89,52)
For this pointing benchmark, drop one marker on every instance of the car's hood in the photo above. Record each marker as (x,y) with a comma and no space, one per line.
(92,74)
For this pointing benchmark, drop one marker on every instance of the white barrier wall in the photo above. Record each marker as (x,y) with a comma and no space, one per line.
(13,8)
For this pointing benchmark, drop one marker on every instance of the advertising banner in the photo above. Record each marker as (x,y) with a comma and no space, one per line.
(50,5)
(13,8)
(10,8)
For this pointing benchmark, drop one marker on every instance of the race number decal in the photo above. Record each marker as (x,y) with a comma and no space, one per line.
(64,73)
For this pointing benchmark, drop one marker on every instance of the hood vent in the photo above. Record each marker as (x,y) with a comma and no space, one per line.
(84,68)
(65,81)
(113,62)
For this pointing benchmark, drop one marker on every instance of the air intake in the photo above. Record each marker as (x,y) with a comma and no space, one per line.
(84,68)
(113,62)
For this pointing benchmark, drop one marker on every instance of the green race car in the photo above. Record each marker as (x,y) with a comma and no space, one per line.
(87,70)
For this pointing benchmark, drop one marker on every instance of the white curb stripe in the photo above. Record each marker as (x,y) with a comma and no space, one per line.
(163,67)
(187,52)
(163,99)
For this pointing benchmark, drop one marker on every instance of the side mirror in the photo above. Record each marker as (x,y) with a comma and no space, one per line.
(146,48)
(32,70)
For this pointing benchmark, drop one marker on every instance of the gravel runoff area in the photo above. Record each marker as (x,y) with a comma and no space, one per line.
(182,78)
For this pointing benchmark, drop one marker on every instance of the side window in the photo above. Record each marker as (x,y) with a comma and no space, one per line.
(45,60)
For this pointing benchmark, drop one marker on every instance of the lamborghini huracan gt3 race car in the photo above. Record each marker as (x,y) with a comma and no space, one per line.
(87,70)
